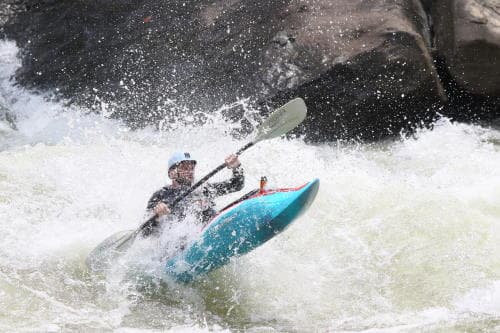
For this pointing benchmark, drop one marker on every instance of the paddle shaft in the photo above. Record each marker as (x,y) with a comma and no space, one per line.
(280,122)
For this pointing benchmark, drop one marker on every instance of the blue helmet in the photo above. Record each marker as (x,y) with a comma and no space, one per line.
(179,157)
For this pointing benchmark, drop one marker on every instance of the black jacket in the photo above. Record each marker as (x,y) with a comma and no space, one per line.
(200,202)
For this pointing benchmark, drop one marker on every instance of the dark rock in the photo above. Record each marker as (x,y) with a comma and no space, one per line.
(463,105)
(467,36)
(363,67)
(8,8)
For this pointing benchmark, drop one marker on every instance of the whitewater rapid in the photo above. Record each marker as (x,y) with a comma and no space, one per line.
(404,235)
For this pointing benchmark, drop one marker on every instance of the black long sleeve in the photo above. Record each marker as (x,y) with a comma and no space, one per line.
(168,194)
(165,194)
(234,184)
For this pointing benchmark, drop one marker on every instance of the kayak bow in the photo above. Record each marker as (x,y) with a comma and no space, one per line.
(240,228)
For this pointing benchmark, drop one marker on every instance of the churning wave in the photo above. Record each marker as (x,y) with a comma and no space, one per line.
(403,236)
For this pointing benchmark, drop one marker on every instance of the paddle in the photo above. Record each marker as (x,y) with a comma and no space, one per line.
(280,122)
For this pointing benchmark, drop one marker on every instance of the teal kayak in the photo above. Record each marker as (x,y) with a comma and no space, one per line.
(240,228)
(237,229)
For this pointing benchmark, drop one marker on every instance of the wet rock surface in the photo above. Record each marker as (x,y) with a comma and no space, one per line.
(366,69)
(467,35)
(467,53)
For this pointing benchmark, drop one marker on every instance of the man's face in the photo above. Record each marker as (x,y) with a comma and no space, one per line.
(184,173)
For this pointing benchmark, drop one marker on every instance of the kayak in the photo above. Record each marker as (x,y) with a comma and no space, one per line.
(240,228)
(237,229)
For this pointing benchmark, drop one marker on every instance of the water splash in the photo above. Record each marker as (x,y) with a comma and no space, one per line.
(403,235)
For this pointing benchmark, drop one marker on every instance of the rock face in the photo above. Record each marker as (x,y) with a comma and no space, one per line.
(364,67)
(467,36)
(8,8)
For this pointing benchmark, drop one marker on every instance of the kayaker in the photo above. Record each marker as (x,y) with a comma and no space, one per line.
(181,170)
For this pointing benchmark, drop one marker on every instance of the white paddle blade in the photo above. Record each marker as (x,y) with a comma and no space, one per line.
(282,120)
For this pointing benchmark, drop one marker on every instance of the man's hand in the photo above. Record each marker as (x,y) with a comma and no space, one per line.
(161,209)
(232,161)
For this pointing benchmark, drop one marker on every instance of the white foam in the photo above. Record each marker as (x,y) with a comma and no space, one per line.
(404,235)
(484,300)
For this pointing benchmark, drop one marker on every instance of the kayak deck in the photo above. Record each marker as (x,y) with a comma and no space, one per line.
(241,228)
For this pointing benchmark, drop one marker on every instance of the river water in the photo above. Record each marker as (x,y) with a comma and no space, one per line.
(404,235)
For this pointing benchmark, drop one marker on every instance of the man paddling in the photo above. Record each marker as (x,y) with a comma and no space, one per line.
(181,170)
